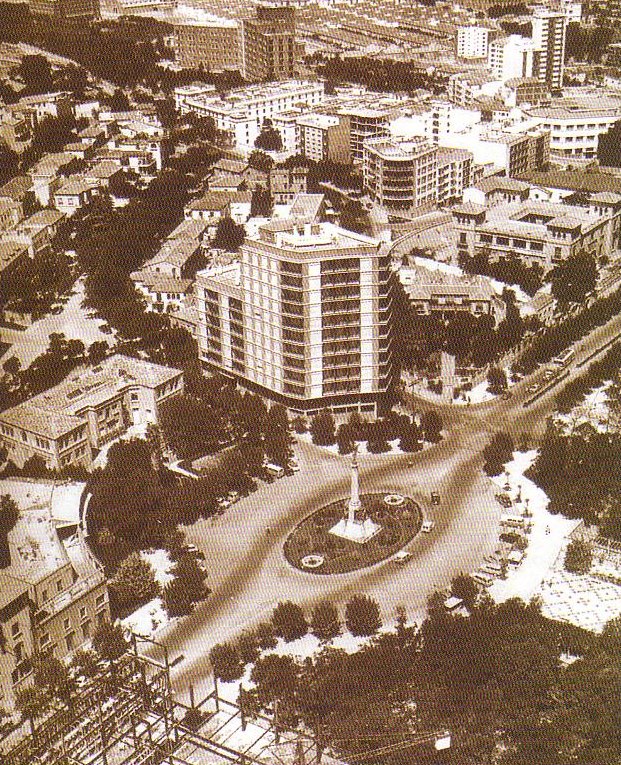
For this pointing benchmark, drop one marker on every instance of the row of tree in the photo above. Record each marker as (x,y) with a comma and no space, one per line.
(411,432)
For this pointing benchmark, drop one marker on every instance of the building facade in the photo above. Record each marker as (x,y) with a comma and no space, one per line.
(549,31)
(304,317)
(94,405)
(268,49)
(413,175)
(513,56)
(211,42)
(66,9)
(324,136)
(472,42)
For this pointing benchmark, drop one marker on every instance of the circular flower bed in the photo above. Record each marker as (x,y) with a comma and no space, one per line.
(312,561)
(311,539)
(394,500)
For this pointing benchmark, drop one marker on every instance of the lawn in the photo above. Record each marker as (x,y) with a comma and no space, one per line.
(312,536)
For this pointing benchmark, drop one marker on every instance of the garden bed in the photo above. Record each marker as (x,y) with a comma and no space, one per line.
(312,536)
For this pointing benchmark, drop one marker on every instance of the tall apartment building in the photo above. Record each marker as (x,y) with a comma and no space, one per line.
(304,317)
(66,9)
(549,30)
(410,175)
(472,41)
(513,56)
(210,41)
(324,136)
(53,596)
(268,44)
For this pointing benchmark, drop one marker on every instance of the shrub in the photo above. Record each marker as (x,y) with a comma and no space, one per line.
(362,615)
(464,587)
(289,622)
(134,582)
(226,662)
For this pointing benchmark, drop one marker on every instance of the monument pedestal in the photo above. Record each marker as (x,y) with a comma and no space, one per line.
(356,531)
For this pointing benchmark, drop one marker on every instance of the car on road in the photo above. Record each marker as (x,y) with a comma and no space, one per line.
(427,527)
(194,551)
(435,498)
(505,500)
(549,374)
(403,556)
(506,395)
(532,388)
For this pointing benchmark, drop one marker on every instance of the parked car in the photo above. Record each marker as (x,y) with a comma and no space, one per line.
(427,526)
(403,556)
(435,498)
(505,500)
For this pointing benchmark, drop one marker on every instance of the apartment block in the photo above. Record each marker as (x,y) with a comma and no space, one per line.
(549,32)
(542,233)
(92,406)
(242,112)
(324,137)
(202,39)
(53,596)
(268,48)
(472,42)
(513,56)
(68,10)
(304,317)
(402,175)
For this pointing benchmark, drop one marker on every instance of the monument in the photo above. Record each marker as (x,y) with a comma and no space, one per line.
(355,525)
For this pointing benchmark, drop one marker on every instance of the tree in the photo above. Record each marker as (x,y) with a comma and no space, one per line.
(264,633)
(411,438)
(275,677)
(187,588)
(573,279)
(344,440)
(322,428)
(118,101)
(464,587)
(36,73)
(431,424)
(109,641)
(32,702)
(229,235)
(269,139)
(578,557)
(259,160)
(496,381)
(134,582)
(247,647)
(191,427)
(226,663)
(9,514)
(362,615)
(610,639)
(9,163)
(84,662)
(325,622)
(53,675)
(261,202)
(497,453)
(289,621)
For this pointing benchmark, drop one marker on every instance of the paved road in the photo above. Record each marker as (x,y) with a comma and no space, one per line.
(248,573)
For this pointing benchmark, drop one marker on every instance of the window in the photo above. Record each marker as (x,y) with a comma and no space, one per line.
(59,585)
(99,601)
(70,641)
(67,623)
(86,629)
(19,652)
(15,629)
(43,596)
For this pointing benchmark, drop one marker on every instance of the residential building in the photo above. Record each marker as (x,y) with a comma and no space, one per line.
(572,11)
(436,292)
(242,112)
(496,190)
(36,108)
(527,91)
(542,233)
(53,596)
(202,39)
(210,209)
(304,317)
(472,41)
(364,122)
(549,31)
(40,228)
(465,87)
(413,175)
(74,195)
(285,183)
(268,48)
(513,56)
(92,406)
(69,10)
(324,137)
(14,256)
(577,121)
(163,293)
(286,125)
(10,214)
(614,54)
